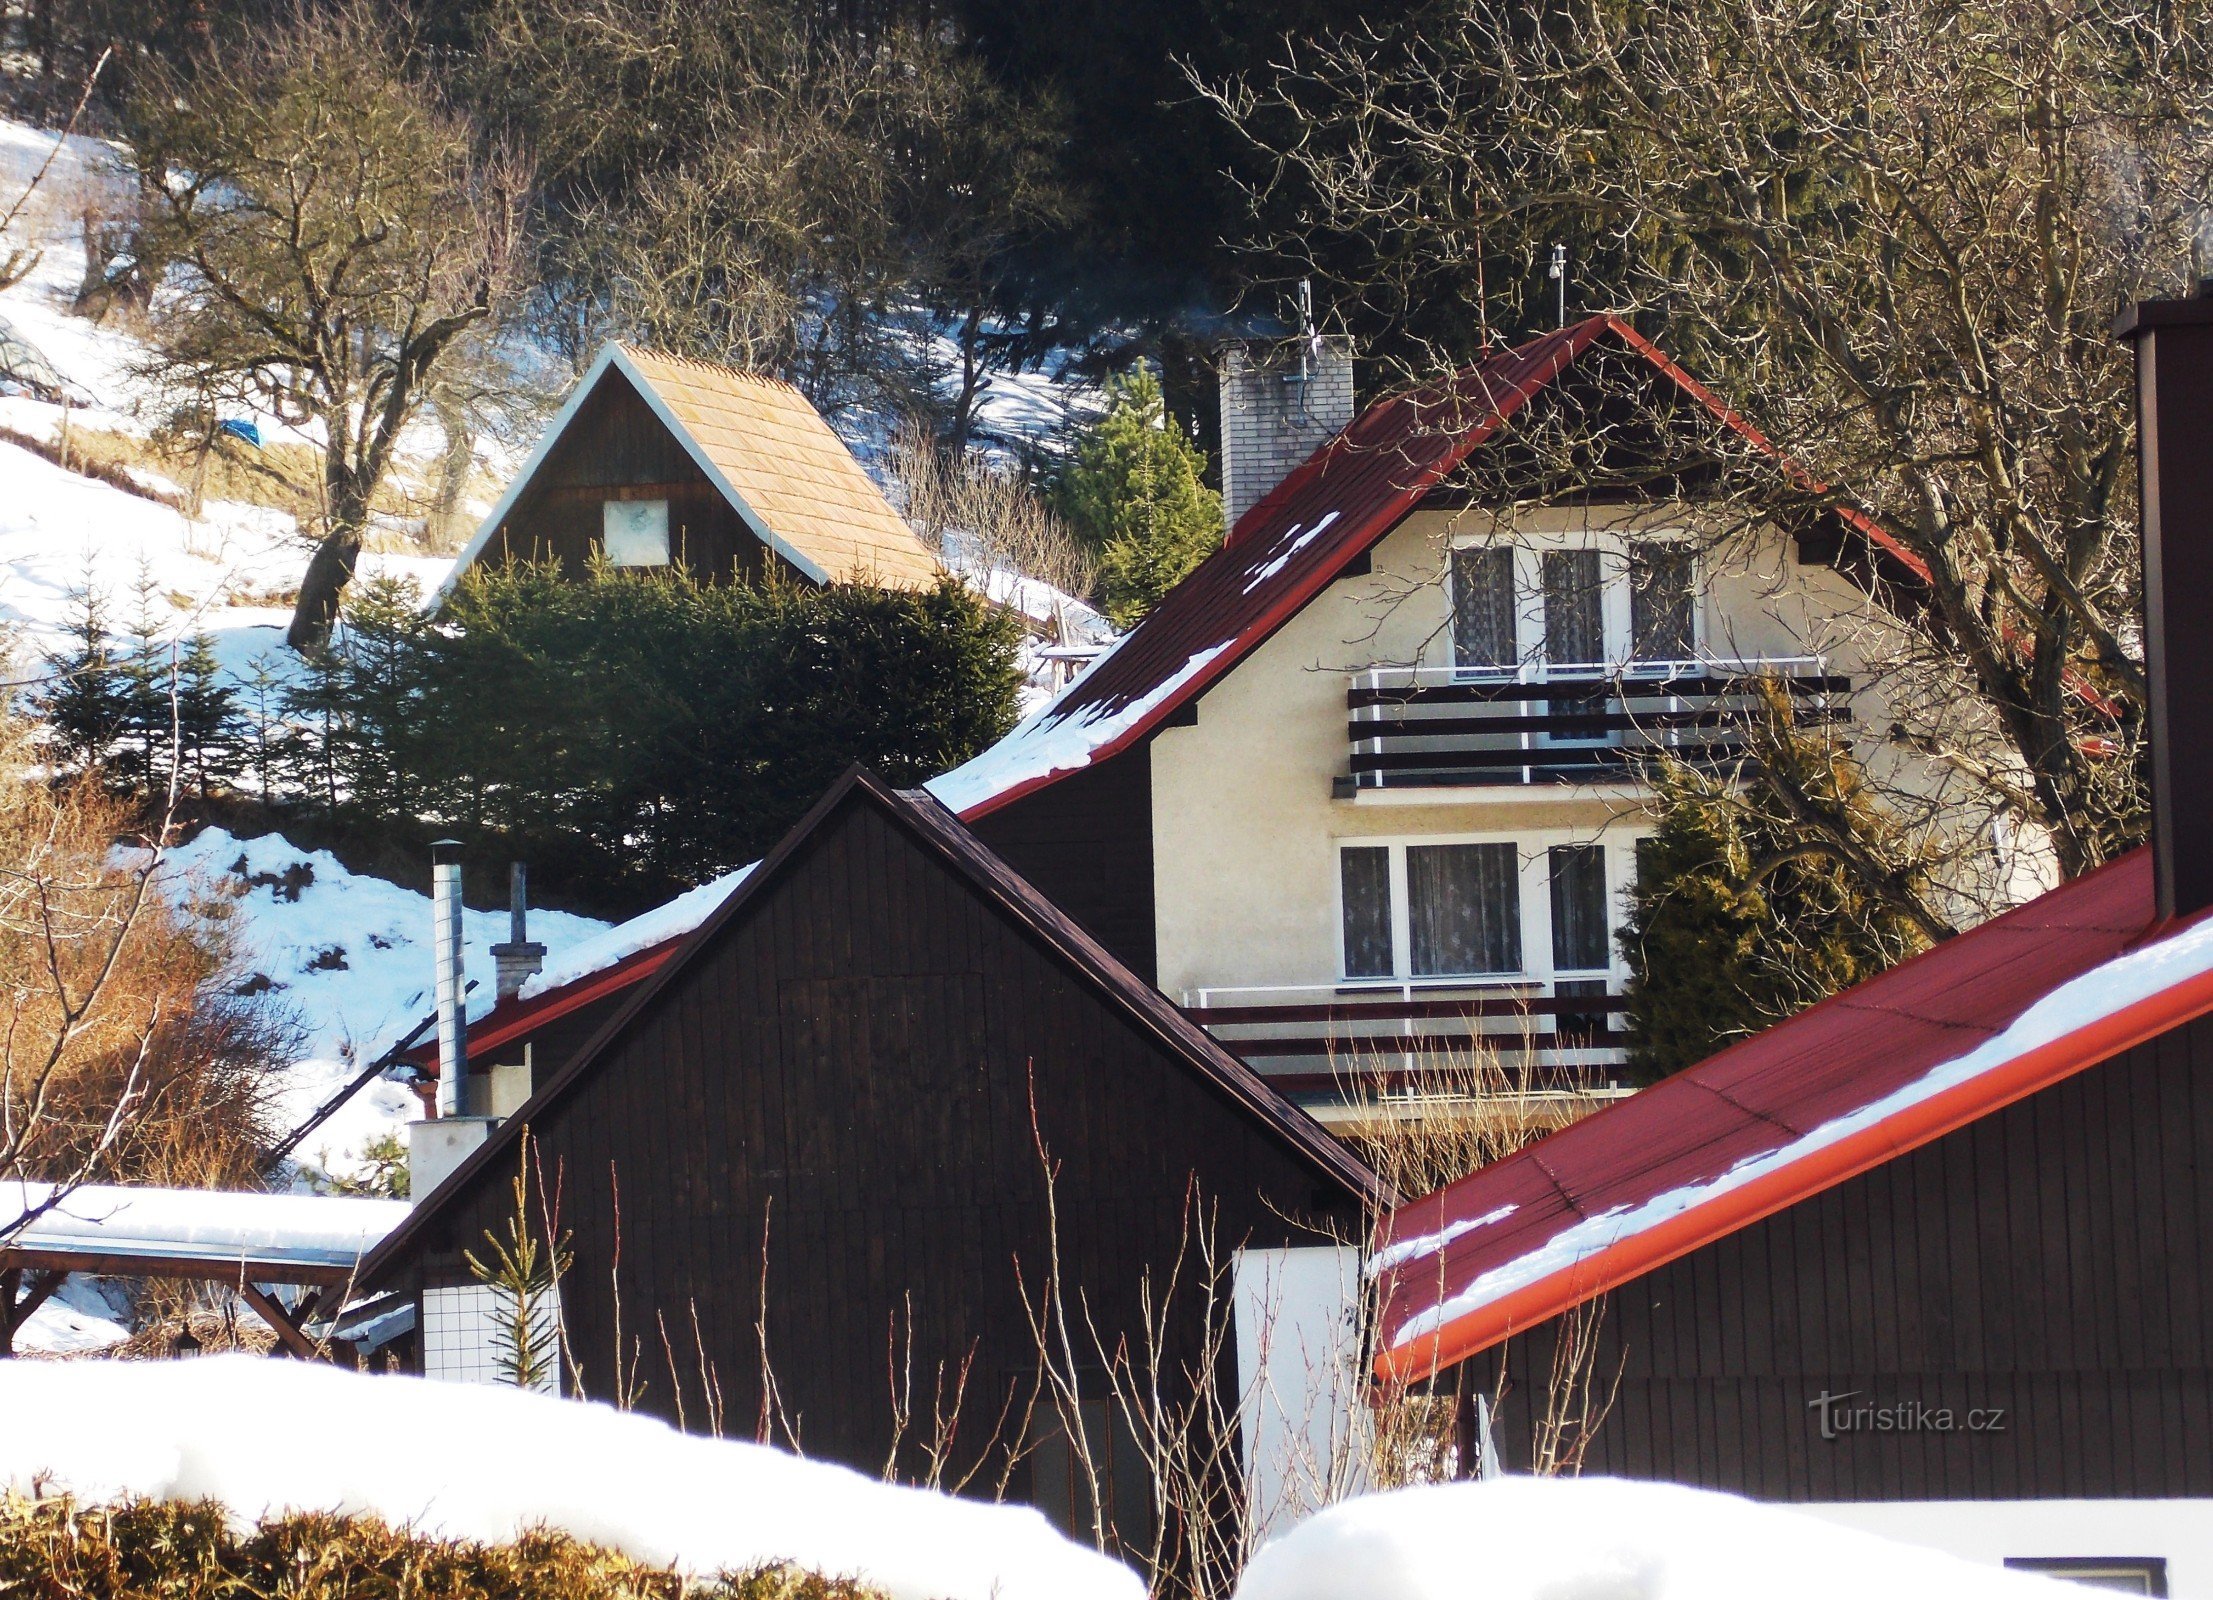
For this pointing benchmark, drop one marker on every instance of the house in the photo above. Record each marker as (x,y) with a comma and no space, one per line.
(1935,1256)
(1363,793)
(659,461)
(824,1118)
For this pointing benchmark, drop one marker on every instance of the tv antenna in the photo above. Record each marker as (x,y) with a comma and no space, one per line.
(1558,273)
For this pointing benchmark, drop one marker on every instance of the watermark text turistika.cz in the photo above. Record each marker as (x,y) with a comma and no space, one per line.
(1851,1412)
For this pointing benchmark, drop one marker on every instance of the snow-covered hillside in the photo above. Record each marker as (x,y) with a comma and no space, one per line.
(350,955)
(227,572)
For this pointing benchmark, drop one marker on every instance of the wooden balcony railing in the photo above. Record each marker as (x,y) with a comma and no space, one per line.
(1543,723)
(1325,1045)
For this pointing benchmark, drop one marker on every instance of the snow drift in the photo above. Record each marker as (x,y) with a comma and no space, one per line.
(486,1463)
(1603,1539)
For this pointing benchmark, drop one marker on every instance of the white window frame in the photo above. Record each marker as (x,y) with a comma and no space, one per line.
(1613,577)
(1532,854)
(617,509)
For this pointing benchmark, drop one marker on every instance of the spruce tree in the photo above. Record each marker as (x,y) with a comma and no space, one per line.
(1741,916)
(86,698)
(1134,492)
(212,742)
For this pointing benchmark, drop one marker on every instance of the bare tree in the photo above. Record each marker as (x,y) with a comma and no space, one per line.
(340,239)
(1899,232)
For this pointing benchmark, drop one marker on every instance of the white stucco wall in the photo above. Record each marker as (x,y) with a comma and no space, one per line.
(1246,830)
(1990,1531)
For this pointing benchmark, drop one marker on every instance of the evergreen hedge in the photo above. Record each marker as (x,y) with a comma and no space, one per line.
(627,734)
(51,1549)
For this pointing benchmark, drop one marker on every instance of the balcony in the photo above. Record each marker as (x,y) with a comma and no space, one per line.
(1356,1051)
(1415,727)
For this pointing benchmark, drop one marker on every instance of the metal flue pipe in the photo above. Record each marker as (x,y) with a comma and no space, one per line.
(445,941)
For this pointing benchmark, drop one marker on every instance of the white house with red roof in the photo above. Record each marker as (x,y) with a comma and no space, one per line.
(1367,784)
(1934,1257)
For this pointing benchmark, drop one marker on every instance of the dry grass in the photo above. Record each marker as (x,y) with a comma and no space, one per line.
(990,517)
(122,1055)
(52,1549)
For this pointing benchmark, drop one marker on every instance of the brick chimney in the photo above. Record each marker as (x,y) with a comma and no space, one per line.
(1280,403)
(2174,444)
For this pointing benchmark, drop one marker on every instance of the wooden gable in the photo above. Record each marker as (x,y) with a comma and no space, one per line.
(2042,1275)
(836,1081)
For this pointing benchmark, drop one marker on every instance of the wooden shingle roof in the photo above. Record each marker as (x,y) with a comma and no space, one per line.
(768,451)
(772,447)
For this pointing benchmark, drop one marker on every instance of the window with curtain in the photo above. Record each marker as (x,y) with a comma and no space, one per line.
(1483,607)
(1574,612)
(1365,871)
(1661,625)
(1463,905)
(1581,941)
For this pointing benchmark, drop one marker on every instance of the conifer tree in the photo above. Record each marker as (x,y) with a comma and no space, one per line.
(85,701)
(1134,492)
(1743,913)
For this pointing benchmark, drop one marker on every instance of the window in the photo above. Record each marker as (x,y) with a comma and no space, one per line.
(1574,608)
(1661,616)
(1463,904)
(1366,871)
(1483,607)
(635,533)
(1461,909)
(1607,601)
(2119,1574)
(1580,938)
(1095,1466)
(1579,933)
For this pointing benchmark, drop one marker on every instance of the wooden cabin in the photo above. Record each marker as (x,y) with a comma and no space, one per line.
(1934,1257)
(658,461)
(826,1116)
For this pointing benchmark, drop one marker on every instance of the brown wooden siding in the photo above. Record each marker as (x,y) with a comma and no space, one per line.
(846,1070)
(2050,1260)
(616,448)
(1086,842)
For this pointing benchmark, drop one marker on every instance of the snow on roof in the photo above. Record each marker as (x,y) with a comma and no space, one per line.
(671,920)
(1291,545)
(487,1462)
(296,1230)
(2046,990)
(1561,1538)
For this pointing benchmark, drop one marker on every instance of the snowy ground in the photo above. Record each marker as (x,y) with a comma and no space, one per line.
(351,955)
(61,533)
(1603,1539)
(488,1462)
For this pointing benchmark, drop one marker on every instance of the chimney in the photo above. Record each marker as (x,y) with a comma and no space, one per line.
(518,960)
(1280,403)
(437,1145)
(2174,445)
(445,943)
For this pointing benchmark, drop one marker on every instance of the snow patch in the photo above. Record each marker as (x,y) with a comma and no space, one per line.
(1295,541)
(1428,1244)
(487,1462)
(315,1230)
(664,922)
(1050,742)
(1603,1539)
(2099,993)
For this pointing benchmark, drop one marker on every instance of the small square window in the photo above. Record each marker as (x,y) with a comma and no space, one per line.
(636,532)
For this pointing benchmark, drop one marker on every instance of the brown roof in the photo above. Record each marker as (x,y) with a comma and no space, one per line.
(769,444)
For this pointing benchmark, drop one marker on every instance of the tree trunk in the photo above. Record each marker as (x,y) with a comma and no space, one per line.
(324,586)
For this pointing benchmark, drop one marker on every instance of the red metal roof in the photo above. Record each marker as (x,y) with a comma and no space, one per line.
(1290,546)
(1296,540)
(1863,1076)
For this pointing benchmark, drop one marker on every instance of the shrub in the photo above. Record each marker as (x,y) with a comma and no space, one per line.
(1134,493)
(51,1549)
(632,734)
